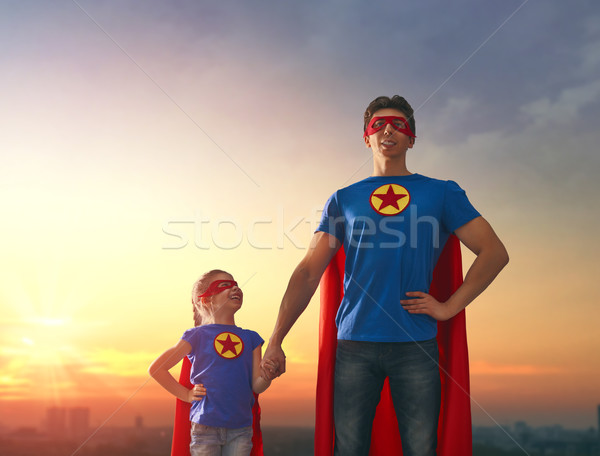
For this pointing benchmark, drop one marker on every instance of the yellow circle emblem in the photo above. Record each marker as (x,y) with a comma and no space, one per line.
(390,199)
(228,345)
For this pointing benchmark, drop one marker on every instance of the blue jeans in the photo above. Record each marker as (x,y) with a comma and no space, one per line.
(360,371)
(217,441)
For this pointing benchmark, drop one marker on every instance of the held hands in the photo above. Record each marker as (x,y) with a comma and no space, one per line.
(273,362)
(197,393)
(423,303)
(270,366)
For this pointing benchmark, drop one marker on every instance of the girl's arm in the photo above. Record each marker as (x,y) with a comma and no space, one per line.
(159,371)
(259,384)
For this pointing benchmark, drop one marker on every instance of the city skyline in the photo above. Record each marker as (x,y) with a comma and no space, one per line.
(75,422)
(66,429)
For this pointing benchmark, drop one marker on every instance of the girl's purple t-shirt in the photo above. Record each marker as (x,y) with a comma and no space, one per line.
(221,360)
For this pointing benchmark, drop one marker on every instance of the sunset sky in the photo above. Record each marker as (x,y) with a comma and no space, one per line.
(144,143)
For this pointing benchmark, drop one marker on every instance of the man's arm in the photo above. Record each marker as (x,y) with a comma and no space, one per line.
(301,287)
(480,238)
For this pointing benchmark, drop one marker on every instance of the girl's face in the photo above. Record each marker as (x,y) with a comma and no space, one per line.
(230,298)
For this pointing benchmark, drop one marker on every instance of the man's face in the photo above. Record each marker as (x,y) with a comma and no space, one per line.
(389,136)
(400,123)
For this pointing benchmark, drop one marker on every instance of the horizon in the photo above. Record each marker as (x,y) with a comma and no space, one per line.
(132,420)
(160,413)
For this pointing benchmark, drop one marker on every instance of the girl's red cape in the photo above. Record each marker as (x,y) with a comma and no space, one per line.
(454,430)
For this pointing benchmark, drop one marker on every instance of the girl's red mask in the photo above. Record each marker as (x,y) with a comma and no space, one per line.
(399,123)
(217,287)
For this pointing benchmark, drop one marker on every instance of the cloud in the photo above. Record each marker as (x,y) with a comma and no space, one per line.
(590,56)
(107,361)
(70,371)
(565,108)
(12,388)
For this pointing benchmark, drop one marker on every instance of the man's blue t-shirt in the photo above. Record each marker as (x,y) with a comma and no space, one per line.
(221,360)
(393,230)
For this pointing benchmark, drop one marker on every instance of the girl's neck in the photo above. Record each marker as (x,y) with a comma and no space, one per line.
(225,320)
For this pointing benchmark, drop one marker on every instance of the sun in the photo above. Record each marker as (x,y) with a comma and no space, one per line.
(39,340)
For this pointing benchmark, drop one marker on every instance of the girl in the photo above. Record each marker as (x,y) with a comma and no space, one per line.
(225,369)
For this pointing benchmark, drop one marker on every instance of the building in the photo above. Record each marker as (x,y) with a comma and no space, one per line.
(56,423)
(79,423)
(68,423)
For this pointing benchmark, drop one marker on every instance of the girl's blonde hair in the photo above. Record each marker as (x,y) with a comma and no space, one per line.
(203,314)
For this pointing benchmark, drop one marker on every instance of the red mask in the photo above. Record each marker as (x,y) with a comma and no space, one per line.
(399,123)
(217,287)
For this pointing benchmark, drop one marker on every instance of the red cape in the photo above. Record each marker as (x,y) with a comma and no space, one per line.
(454,429)
(181,427)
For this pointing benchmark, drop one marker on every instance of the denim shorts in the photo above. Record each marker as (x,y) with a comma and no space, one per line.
(219,441)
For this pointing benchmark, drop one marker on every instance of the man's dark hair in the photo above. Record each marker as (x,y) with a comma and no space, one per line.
(396,102)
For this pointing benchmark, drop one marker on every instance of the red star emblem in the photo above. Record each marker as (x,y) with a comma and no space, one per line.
(226,345)
(390,199)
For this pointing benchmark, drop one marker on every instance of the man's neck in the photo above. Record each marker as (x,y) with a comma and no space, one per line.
(390,168)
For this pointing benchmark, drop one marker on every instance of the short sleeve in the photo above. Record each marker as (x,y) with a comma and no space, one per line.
(257,341)
(332,220)
(457,210)
(191,336)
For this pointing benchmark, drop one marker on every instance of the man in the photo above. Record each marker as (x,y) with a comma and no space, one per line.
(393,226)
